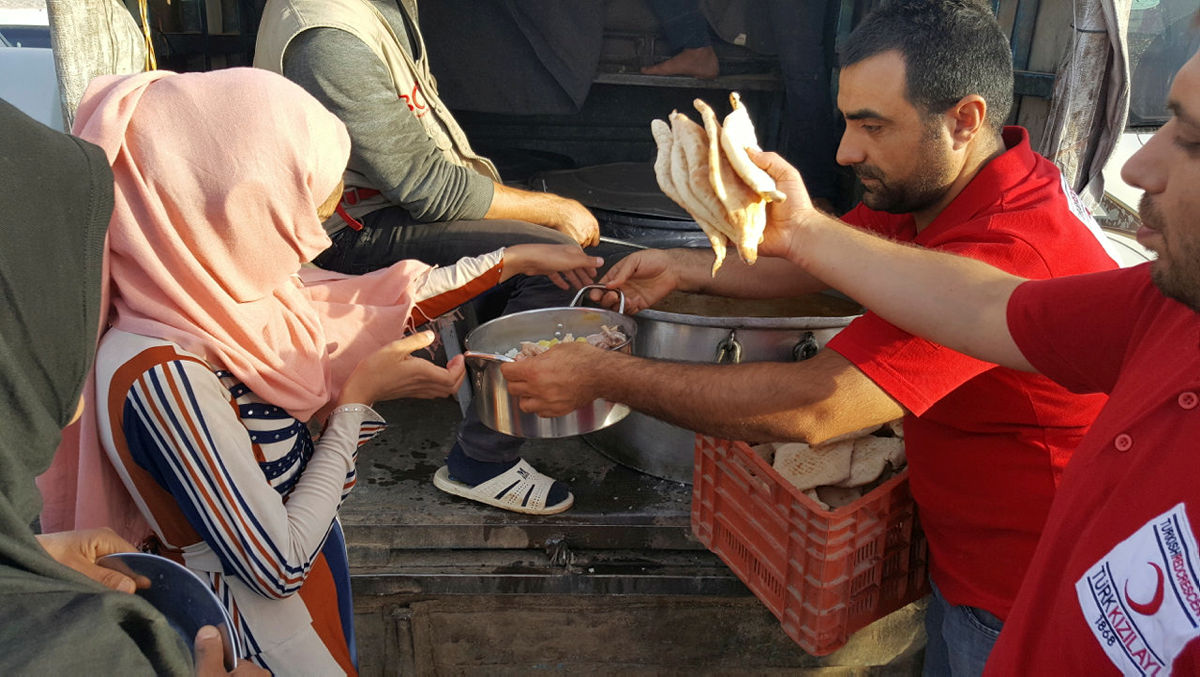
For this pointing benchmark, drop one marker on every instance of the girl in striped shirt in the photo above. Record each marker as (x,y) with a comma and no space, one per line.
(221,347)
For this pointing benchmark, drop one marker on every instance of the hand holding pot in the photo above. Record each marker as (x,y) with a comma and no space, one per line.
(392,373)
(556,382)
(566,266)
(644,276)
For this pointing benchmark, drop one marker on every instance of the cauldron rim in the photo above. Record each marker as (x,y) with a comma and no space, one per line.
(742,322)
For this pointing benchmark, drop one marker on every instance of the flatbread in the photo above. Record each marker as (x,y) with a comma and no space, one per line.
(674,176)
(765,451)
(812,493)
(737,134)
(742,205)
(870,458)
(707,172)
(836,497)
(663,140)
(809,468)
(897,456)
(689,172)
(852,435)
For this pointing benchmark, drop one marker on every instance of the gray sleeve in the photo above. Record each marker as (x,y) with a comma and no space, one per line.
(389,145)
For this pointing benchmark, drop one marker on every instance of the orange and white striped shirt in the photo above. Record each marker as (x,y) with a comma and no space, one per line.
(237,490)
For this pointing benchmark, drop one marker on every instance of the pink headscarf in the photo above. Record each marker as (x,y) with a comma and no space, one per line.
(218,176)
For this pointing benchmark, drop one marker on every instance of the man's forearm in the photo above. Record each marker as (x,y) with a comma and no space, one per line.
(764,401)
(521,205)
(568,217)
(768,278)
(958,302)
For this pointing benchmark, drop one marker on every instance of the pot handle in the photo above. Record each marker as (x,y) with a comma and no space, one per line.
(620,294)
(729,350)
(805,348)
(491,357)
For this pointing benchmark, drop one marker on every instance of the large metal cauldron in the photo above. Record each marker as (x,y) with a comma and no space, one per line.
(487,343)
(706,329)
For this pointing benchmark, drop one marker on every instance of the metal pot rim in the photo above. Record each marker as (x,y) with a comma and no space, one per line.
(626,322)
(747,322)
(499,410)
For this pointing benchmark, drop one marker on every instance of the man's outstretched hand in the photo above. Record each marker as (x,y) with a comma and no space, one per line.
(644,277)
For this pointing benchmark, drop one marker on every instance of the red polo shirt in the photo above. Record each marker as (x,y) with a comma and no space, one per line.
(986,445)
(1115,583)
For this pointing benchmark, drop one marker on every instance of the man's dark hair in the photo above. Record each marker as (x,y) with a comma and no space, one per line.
(951,48)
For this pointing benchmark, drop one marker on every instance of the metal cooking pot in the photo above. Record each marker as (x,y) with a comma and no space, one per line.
(664,450)
(487,344)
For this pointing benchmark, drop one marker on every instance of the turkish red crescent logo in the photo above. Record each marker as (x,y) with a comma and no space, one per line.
(1149,608)
(413,102)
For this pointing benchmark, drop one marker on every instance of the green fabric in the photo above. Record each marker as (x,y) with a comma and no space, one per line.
(56,199)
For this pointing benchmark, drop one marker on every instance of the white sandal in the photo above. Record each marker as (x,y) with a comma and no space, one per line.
(519,489)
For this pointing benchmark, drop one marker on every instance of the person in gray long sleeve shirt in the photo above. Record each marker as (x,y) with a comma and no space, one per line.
(436,210)
(391,147)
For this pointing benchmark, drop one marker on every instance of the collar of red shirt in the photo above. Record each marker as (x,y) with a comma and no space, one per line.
(994,180)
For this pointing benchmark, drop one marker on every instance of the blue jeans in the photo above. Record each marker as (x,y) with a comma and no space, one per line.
(682,23)
(960,638)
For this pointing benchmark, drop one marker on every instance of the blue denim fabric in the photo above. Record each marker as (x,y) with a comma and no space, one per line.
(960,638)
(811,128)
(682,23)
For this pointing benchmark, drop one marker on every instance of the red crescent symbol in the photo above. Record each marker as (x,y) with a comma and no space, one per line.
(415,100)
(1149,608)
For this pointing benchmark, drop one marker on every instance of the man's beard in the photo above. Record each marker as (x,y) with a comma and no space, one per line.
(918,192)
(1176,273)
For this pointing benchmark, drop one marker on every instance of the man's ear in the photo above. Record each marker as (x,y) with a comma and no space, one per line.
(967,117)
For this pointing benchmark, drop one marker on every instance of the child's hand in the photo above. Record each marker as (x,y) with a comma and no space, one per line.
(392,373)
(566,265)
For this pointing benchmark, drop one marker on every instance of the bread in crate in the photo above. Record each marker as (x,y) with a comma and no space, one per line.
(824,573)
(840,470)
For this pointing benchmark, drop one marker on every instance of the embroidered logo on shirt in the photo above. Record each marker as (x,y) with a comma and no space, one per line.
(415,101)
(1142,599)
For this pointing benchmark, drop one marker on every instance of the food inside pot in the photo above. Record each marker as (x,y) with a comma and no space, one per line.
(607,338)
(807,305)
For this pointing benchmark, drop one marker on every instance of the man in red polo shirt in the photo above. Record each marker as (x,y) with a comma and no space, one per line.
(985,445)
(1114,586)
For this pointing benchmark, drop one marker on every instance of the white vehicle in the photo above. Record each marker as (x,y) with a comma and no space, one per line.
(27,78)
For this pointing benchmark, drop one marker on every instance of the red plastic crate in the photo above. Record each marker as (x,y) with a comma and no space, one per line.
(824,574)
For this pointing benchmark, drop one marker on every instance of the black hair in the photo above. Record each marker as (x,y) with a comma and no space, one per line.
(951,48)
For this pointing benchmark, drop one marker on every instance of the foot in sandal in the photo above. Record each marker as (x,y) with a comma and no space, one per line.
(509,485)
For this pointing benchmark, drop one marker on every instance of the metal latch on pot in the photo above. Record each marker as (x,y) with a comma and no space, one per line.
(805,348)
(729,349)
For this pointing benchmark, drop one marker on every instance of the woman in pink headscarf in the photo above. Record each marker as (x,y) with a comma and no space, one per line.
(220,347)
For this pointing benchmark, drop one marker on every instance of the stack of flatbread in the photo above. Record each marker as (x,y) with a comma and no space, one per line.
(707,171)
(841,470)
